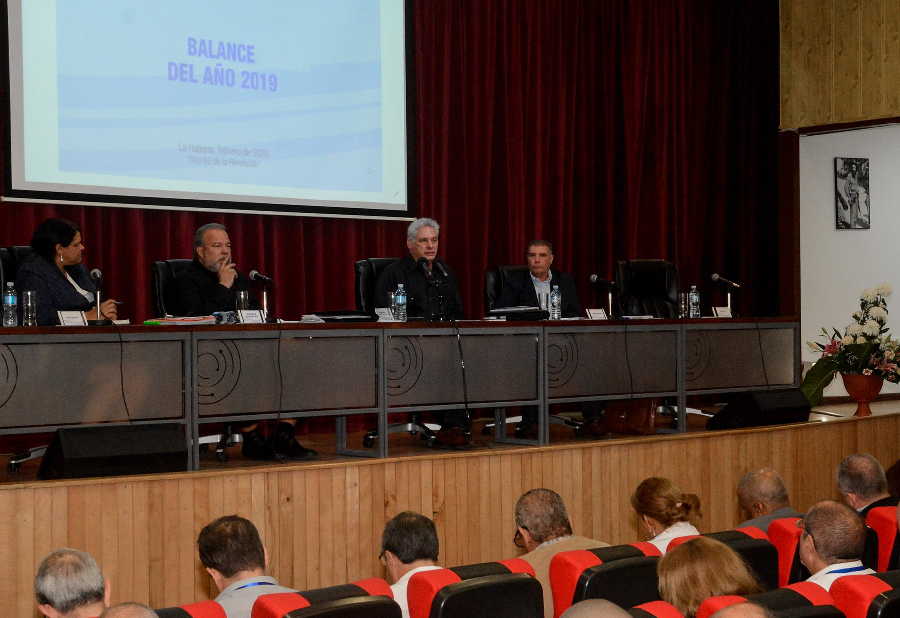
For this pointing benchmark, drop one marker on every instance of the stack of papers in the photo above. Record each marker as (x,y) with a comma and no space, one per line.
(187,321)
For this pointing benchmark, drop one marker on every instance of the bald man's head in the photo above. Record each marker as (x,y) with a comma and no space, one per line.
(129,610)
(837,532)
(761,492)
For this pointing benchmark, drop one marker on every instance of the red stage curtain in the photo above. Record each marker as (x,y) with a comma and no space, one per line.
(615,129)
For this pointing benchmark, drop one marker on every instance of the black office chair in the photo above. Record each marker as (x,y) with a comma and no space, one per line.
(494,280)
(163,273)
(647,287)
(7,267)
(367,272)
(162,277)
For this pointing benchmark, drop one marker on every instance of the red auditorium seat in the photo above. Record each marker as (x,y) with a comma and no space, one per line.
(659,609)
(868,596)
(785,536)
(202,609)
(623,574)
(505,589)
(754,547)
(800,599)
(883,520)
(367,598)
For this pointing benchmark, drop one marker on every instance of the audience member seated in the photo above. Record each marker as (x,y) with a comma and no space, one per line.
(743,610)
(665,511)
(57,276)
(763,498)
(234,556)
(832,542)
(69,584)
(129,610)
(544,530)
(595,608)
(409,545)
(701,568)
(862,482)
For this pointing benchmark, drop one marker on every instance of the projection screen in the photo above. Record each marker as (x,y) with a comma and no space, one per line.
(272,106)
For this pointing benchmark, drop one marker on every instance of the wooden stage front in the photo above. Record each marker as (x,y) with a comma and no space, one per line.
(322,522)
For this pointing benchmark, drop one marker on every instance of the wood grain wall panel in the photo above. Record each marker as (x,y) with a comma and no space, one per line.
(840,61)
(871,59)
(322,523)
(891,62)
(846,92)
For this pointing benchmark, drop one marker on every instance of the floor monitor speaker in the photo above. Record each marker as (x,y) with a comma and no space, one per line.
(760,408)
(114,450)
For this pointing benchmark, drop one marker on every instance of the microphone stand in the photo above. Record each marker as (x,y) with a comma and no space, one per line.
(265,301)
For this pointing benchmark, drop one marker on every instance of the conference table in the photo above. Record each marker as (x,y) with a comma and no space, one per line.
(192,375)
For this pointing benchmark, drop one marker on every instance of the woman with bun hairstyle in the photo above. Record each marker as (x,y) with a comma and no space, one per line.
(665,511)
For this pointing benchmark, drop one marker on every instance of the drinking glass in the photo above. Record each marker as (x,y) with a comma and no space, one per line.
(242,300)
(29,308)
(683,306)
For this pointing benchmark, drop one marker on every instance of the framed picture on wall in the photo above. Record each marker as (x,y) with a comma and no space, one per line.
(852,208)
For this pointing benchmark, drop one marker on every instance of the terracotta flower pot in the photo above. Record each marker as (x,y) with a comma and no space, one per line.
(862,389)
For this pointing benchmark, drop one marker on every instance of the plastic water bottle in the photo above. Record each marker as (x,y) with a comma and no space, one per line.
(10,315)
(555,303)
(399,303)
(694,302)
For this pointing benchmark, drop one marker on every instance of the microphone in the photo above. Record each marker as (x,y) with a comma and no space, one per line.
(718,277)
(441,269)
(255,275)
(423,264)
(96,276)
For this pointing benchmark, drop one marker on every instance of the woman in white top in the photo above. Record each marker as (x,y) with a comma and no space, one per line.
(665,511)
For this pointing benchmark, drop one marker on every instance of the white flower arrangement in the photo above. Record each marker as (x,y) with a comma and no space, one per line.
(865,347)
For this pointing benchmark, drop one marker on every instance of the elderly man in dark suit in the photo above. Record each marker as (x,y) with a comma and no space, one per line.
(523,288)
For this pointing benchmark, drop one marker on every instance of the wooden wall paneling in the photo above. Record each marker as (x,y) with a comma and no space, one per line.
(810,48)
(300,546)
(846,91)
(891,60)
(871,57)
(322,523)
(786,62)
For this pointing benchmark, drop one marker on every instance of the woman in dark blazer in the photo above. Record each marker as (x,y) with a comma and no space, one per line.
(57,276)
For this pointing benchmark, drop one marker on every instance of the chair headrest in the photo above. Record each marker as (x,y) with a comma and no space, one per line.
(660,609)
(784,534)
(567,567)
(883,520)
(283,603)
(201,609)
(425,588)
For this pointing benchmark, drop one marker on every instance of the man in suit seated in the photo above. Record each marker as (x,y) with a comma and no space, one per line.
(69,584)
(432,292)
(526,289)
(862,482)
(764,498)
(832,543)
(208,285)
